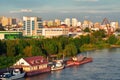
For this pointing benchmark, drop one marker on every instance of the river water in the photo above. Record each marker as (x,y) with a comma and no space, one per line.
(105,66)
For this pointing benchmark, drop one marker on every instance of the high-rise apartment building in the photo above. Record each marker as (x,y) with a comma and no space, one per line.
(57,22)
(5,21)
(32,26)
(85,24)
(74,22)
(14,21)
(67,22)
(50,23)
(114,25)
(9,21)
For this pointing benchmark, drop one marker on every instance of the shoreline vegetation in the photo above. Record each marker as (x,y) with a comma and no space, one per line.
(13,50)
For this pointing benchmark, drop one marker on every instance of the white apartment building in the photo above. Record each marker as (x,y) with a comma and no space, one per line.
(67,22)
(31,26)
(57,22)
(74,22)
(54,32)
(114,25)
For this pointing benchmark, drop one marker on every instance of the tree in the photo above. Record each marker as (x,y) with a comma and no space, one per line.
(70,50)
(87,47)
(99,34)
(92,39)
(50,47)
(37,51)
(28,51)
(10,47)
(86,29)
(85,39)
(77,43)
(3,47)
(112,39)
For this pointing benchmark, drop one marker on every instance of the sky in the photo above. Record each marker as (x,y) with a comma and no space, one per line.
(61,9)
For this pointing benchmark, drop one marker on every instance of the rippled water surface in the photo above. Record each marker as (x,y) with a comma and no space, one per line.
(105,66)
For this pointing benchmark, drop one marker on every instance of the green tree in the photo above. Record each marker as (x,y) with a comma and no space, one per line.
(28,51)
(87,47)
(112,39)
(3,47)
(93,40)
(86,29)
(85,39)
(22,43)
(37,51)
(50,47)
(99,34)
(70,50)
(10,47)
(118,42)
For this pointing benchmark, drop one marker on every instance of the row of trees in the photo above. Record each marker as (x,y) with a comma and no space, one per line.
(67,46)
(45,47)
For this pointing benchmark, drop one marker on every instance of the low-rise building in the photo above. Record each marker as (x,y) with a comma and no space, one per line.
(54,32)
(33,65)
(10,34)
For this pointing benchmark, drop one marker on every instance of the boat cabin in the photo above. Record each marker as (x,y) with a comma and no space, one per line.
(32,63)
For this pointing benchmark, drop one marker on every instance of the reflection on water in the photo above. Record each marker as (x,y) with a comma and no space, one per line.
(105,66)
(39,77)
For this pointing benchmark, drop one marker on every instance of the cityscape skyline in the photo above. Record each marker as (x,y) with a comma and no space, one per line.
(94,10)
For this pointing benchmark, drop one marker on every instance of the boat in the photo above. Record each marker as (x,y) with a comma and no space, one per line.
(12,75)
(74,61)
(84,61)
(57,65)
(69,63)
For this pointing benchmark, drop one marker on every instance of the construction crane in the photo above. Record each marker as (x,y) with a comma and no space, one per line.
(107,24)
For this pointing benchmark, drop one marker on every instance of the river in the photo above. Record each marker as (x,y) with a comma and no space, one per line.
(105,66)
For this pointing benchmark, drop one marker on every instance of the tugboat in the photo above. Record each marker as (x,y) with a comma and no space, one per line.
(57,65)
(14,74)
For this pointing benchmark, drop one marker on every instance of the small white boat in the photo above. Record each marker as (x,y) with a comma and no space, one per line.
(15,74)
(57,65)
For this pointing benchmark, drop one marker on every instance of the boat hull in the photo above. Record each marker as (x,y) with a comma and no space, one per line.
(69,63)
(86,60)
(75,63)
(57,68)
(32,73)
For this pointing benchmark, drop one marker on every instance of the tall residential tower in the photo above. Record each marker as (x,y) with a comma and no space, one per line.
(67,22)
(32,26)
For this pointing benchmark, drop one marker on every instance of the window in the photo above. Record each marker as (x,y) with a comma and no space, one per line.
(22,62)
(33,25)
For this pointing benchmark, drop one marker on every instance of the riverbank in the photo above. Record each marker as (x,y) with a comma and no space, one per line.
(89,47)
(115,46)
(104,67)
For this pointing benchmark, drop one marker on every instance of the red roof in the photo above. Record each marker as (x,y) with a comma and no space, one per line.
(36,60)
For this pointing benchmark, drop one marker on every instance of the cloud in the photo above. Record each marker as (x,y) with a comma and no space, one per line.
(87,0)
(25,10)
(91,11)
(64,11)
(22,11)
